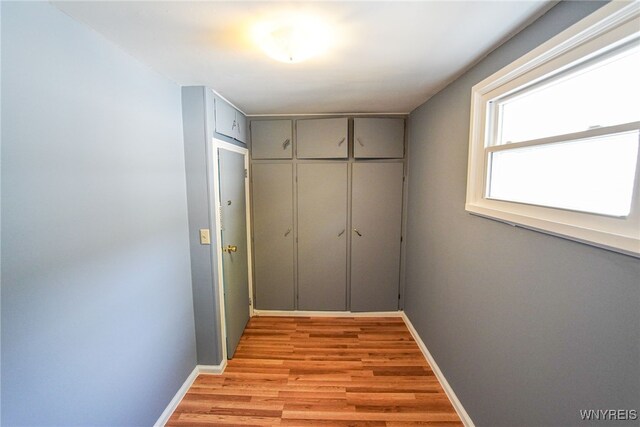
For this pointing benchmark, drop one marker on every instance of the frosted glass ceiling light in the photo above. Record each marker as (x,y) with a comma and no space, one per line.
(292,39)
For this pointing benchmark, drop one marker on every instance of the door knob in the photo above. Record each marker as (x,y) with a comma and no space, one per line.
(230,248)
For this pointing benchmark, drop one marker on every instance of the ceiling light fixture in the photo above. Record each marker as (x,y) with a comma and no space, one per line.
(292,39)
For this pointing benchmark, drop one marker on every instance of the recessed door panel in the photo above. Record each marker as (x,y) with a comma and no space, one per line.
(241,127)
(375,236)
(378,137)
(322,236)
(322,138)
(271,139)
(225,116)
(273,235)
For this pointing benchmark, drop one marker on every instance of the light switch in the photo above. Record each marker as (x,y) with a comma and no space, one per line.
(205,238)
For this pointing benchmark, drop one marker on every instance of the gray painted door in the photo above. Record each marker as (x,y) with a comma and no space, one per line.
(378,137)
(376,230)
(241,127)
(271,139)
(273,235)
(322,138)
(234,235)
(225,116)
(322,236)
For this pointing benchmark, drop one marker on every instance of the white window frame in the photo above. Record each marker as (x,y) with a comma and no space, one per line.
(614,25)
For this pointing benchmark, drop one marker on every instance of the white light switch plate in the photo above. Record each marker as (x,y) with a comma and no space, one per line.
(205,238)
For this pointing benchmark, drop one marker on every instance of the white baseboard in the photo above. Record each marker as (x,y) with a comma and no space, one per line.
(300,313)
(464,416)
(199,369)
(177,398)
(212,369)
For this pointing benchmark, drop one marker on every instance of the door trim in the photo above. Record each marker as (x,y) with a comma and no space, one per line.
(217,144)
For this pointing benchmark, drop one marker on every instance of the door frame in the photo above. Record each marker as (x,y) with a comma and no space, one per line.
(217,144)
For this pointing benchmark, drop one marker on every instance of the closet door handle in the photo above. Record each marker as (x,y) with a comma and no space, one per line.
(341,142)
(360,142)
(357,232)
(341,233)
(287,232)
(286,143)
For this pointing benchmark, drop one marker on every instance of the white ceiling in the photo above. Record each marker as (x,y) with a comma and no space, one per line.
(388,56)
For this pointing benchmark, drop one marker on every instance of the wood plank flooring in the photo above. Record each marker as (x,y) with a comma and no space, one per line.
(320,371)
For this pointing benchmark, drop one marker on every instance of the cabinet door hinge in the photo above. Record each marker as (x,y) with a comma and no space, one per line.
(246,173)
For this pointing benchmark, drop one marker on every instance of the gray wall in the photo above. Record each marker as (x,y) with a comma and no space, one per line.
(197,116)
(527,328)
(97,313)
(199,131)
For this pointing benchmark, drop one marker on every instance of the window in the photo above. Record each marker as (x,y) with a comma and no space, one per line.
(555,136)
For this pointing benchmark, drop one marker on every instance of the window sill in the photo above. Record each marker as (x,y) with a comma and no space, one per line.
(624,244)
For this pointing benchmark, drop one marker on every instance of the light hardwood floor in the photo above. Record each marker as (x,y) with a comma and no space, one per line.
(320,371)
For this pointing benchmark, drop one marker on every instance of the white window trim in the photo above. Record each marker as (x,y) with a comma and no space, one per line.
(614,24)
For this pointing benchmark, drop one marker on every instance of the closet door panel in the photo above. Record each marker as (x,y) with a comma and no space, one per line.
(322,236)
(225,116)
(322,138)
(375,236)
(378,138)
(241,127)
(271,139)
(273,236)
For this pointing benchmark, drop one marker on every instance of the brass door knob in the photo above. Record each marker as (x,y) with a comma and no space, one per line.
(230,248)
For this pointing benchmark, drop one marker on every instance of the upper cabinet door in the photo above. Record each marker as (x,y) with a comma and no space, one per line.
(322,138)
(229,121)
(241,127)
(378,138)
(225,118)
(271,139)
